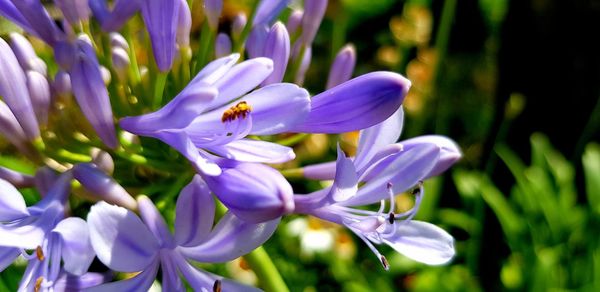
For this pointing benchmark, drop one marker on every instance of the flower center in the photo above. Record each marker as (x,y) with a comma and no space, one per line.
(242,109)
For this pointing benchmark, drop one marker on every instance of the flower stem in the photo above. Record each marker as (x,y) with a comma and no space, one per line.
(267,273)
(159,87)
(239,43)
(207,41)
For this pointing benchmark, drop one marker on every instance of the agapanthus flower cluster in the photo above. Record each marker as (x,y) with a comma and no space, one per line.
(116,135)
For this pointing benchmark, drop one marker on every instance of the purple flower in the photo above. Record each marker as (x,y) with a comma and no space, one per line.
(121,12)
(162,18)
(10,128)
(314,10)
(277,48)
(239,22)
(382,170)
(212,11)
(268,10)
(125,243)
(184,25)
(214,113)
(222,45)
(33,17)
(342,67)
(102,186)
(39,92)
(294,21)
(26,55)
(74,10)
(356,104)
(52,237)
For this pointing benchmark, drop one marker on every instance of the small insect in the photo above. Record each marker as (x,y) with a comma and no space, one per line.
(241,109)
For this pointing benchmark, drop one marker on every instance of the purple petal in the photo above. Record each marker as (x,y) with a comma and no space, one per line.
(8,10)
(170,275)
(294,21)
(161,18)
(102,186)
(77,252)
(74,10)
(182,143)
(103,160)
(141,282)
(422,242)
(26,55)
(8,256)
(449,152)
(184,24)
(268,10)
(62,83)
(67,282)
(373,139)
(248,150)
(214,70)
(155,222)
(28,233)
(11,202)
(314,10)
(17,179)
(212,10)
(39,91)
(39,20)
(356,104)
(91,93)
(195,213)
(254,192)
(255,43)
(121,241)
(10,128)
(342,67)
(44,178)
(115,19)
(404,171)
(320,171)
(13,90)
(345,184)
(277,48)
(231,238)
(222,45)
(178,113)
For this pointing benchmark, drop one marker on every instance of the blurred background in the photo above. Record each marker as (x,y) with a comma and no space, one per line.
(516,84)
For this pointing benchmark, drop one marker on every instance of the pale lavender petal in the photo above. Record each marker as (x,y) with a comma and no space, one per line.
(178,113)
(26,54)
(102,186)
(39,19)
(17,179)
(91,93)
(294,21)
(115,19)
(268,10)
(342,67)
(28,233)
(449,151)
(120,239)
(161,18)
(45,177)
(120,61)
(77,252)
(74,10)
(118,41)
(406,169)
(141,282)
(155,222)
(314,10)
(67,282)
(222,45)
(212,10)
(182,143)
(170,276)
(102,160)
(214,70)
(195,213)
(184,25)
(39,92)
(58,192)
(277,48)
(345,184)
(10,128)
(13,90)
(11,201)
(249,150)
(8,256)
(231,238)
(373,139)
(356,104)
(320,171)
(255,43)
(422,242)
(254,192)
(62,83)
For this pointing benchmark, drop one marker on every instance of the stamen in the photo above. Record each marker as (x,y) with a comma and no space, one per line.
(372,248)
(392,195)
(39,253)
(38,284)
(384,262)
(242,109)
(217,286)
(392,218)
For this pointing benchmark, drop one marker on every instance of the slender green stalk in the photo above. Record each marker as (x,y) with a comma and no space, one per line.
(238,45)
(207,41)
(293,140)
(293,173)
(267,273)
(159,88)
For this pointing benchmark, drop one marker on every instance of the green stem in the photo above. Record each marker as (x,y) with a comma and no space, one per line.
(238,45)
(265,270)
(159,88)
(293,140)
(207,40)
(292,173)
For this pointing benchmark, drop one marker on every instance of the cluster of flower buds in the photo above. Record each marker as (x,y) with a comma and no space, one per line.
(208,119)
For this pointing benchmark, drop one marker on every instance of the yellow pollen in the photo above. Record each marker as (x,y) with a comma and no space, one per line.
(39,253)
(217,286)
(38,284)
(242,109)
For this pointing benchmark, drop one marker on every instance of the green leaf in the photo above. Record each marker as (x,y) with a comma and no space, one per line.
(509,219)
(591,167)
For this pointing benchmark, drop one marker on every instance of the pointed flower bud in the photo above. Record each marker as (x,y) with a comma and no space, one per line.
(184,25)
(62,83)
(294,21)
(222,45)
(161,18)
(256,41)
(212,10)
(26,55)
(39,91)
(254,192)
(13,88)
(268,10)
(277,48)
(74,10)
(120,61)
(304,65)
(91,93)
(342,67)
(356,104)
(118,41)
(121,12)
(103,186)
(239,22)
(314,10)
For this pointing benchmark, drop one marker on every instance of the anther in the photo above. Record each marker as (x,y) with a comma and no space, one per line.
(389,185)
(392,218)
(39,253)
(384,262)
(38,284)
(242,109)
(417,189)
(217,286)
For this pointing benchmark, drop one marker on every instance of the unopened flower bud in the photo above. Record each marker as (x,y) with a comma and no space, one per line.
(103,160)
(118,41)
(184,25)
(294,21)
(62,83)
(103,186)
(277,48)
(222,45)
(212,11)
(314,10)
(74,10)
(342,67)
(39,92)
(239,22)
